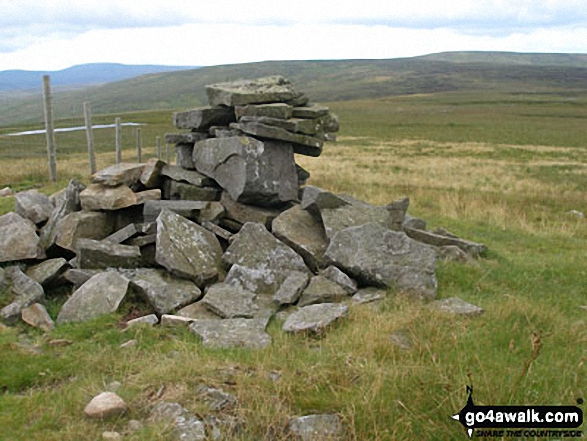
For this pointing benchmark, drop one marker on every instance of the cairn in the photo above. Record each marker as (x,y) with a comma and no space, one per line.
(226,238)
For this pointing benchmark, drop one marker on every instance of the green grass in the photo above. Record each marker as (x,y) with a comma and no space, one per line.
(476,164)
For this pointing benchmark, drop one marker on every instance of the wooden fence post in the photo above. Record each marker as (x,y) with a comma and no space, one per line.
(158,143)
(49,128)
(90,137)
(139,147)
(118,141)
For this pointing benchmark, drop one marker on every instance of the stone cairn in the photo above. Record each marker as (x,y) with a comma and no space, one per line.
(224,240)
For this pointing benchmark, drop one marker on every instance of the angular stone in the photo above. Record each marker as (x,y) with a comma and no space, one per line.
(456,306)
(142,241)
(46,272)
(317,428)
(120,174)
(33,206)
(294,125)
(322,290)
(100,197)
(224,132)
(102,294)
(184,138)
(316,199)
(258,91)
(228,301)
(374,255)
(257,250)
(315,318)
(291,289)
(69,204)
(162,291)
(149,320)
(232,333)
(303,175)
(275,110)
(123,234)
(174,190)
(93,254)
(397,212)
(310,112)
(414,222)
(368,295)
(151,175)
(197,311)
(184,154)
(336,275)
(79,276)
(303,233)
(203,118)
(188,250)
(190,176)
(251,171)
(302,144)
(146,228)
(243,213)
(18,239)
(427,237)
(356,213)
(187,209)
(25,291)
(175,320)
(106,405)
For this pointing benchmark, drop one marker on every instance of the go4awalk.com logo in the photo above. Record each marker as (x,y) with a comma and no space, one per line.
(520,421)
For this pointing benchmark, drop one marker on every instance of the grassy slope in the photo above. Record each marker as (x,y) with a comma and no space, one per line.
(323,81)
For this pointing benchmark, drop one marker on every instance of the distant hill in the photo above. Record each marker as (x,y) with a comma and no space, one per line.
(328,80)
(84,74)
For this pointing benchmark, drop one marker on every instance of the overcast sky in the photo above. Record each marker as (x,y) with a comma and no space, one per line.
(55,34)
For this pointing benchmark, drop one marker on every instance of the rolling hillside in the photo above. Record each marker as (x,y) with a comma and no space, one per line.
(325,81)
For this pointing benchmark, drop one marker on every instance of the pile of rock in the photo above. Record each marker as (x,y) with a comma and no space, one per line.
(224,240)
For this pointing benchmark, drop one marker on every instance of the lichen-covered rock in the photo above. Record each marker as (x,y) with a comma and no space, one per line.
(102,294)
(258,91)
(229,301)
(25,291)
(187,426)
(232,333)
(322,290)
(46,272)
(101,197)
(456,306)
(438,240)
(18,239)
(83,225)
(315,318)
(33,206)
(120,174)
(336,275)
(188,250)
(203,118)
(269,259)
(376,256)
(291,289)
(93,254)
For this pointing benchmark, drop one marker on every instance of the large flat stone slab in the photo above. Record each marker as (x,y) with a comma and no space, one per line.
(322,290)
(102,294)
(46,272)
(187,209)
(187,250)
(101,197)
(190,176)
(93,254)
(472,248)
(83,225)
(251,171)
(120,174)
(269,259)
(274,110)
(203,118)
(232,333)
(228,301)
(258,91)
(33,206)
(374,255)
(315,318)
(18,239)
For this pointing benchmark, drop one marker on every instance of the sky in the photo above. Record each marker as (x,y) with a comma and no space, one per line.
(56,34)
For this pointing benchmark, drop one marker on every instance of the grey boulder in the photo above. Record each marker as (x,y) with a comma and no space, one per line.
(232,333)
(315,318)
(258,91)
(229,301)
(322,290)
(18,239)
(33,206)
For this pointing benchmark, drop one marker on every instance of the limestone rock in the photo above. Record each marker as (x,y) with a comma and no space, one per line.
(291,289)
(317,428)
(106,405)
(78,276)
(397,212)
(310,112)
(261,90)
(430,238)
(100,197)
(228,301)
(187,209)
(93,254)
(123,234)
(314,318)
(336,275)
(83,225)
(257,250)
(414,222)
(162,291)
(294,125)
(376,256)
(316,199)
(188,250)
(46,272)
(322,290)
(37,316)
(26,292)
(303,233)
(148,320)
(274,110)
(369,294)
(120,174)
(102,294)
(243,213)
(190,176)
(33,206)
(231,333)
(184,154)
(197,311)
(203,118)
(456,306)
(175,320)
(184,138)
(18,239)
(174,190)
(251,171)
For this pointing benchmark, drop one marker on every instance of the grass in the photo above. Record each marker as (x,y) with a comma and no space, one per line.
(471,163)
